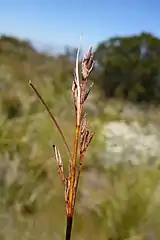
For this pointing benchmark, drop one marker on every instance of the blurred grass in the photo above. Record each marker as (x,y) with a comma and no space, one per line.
(116,203)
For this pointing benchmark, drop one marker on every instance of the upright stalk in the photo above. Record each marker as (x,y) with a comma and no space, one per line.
(69,227)
(72,187)
(82,137)
(80,94)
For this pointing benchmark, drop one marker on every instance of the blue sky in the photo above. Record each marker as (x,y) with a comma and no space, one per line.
(60,22)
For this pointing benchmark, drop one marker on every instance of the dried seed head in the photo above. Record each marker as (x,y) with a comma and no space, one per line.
(85,93)
(85,137)
(59,162)
(87,64)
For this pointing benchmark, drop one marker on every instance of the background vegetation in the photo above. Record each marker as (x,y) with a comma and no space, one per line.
(119,191)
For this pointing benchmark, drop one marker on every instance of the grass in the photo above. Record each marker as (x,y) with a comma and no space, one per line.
(120,202)
(82,139)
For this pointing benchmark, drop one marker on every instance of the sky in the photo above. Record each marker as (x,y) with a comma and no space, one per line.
(62,22)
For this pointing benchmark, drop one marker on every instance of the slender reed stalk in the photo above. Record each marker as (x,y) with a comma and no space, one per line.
(51,115)
(82,137)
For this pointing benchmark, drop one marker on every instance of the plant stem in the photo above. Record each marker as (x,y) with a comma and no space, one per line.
(72,193)
(51,115)
(73,173)
(69,227)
